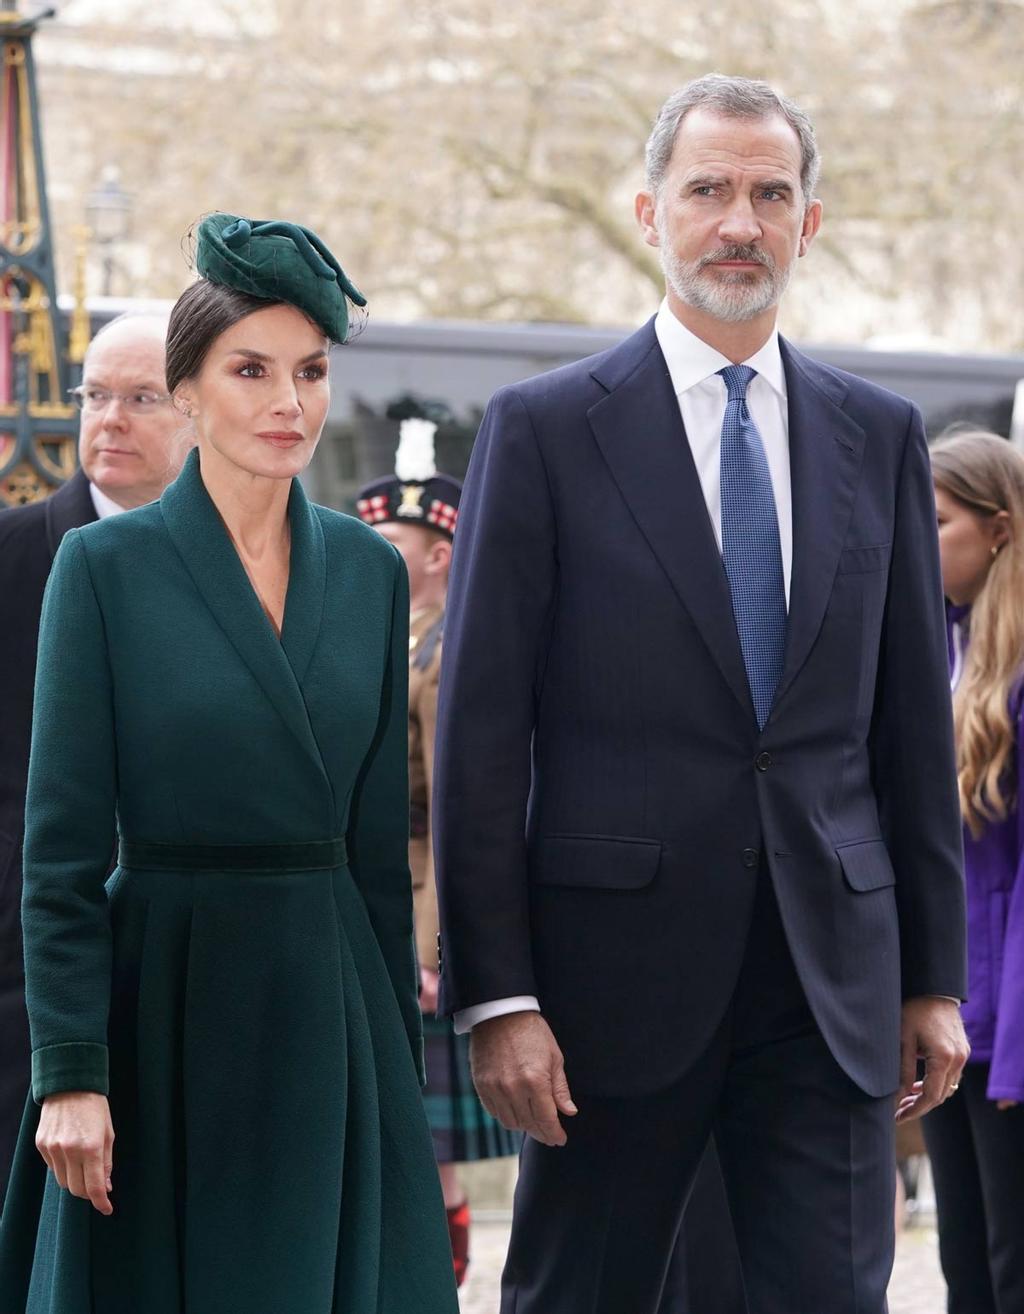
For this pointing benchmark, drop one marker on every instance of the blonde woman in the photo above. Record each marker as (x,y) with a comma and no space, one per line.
(976,1140)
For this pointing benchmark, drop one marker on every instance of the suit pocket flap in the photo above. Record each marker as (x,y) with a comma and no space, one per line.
(599,862)
(859,560)
(866,864)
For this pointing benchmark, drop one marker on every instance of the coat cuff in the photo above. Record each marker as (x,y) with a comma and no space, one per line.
(78,1065)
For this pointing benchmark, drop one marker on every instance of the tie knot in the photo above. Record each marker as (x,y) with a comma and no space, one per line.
(737,380)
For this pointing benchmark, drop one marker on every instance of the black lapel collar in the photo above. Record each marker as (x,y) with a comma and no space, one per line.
(199,535)
(68,508)
(826,448)
(640,432)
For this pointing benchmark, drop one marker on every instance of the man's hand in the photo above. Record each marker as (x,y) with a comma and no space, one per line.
(520,1076)
(931,1030)
(428,990)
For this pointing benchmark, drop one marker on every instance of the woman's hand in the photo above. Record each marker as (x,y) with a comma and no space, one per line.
(1003,1105)
(76,1138)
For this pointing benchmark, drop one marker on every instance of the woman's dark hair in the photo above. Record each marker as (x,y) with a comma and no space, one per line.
(201,314)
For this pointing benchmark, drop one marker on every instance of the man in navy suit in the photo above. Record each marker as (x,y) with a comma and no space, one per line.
(698,835)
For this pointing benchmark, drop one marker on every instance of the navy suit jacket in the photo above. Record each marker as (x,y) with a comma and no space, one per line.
(604,798)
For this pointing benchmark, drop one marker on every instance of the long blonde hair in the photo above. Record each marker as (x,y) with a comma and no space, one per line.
(984,473)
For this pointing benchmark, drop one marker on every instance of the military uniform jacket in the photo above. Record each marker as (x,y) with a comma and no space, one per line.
(424,673)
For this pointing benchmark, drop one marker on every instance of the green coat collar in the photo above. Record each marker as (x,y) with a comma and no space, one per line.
(202,541)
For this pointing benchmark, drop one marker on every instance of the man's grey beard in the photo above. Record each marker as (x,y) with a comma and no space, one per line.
(729,295)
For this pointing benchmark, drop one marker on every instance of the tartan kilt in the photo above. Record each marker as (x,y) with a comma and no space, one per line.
(462,1129)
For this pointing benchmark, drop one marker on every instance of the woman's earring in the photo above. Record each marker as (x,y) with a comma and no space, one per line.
(995,550)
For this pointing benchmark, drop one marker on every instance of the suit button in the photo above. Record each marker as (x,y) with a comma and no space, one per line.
(750,857)
(763,761)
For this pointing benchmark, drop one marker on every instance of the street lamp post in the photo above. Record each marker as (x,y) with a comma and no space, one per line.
(108,211)
(38,426)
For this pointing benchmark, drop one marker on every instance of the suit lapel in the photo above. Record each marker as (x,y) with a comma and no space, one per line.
(199,535)
(826,449)
(640,432)
(69,507)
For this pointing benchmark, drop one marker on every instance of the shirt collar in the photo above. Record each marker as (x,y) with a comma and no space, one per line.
(105,506)
(690,360)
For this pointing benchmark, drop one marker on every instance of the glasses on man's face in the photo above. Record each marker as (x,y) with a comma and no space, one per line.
(142,402)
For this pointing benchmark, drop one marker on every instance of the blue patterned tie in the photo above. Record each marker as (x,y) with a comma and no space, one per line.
(750,545)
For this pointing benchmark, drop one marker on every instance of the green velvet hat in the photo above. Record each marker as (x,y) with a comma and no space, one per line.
(279,261)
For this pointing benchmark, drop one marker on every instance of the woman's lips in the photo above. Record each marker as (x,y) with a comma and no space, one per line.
(281,437)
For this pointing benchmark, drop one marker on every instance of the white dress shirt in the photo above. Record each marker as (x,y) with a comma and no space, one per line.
(702,396)
(105,506)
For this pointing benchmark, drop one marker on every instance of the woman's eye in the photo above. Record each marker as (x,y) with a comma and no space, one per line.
(251,371)
(313,372)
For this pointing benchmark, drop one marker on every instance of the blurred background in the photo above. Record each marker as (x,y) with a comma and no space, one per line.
(474,166)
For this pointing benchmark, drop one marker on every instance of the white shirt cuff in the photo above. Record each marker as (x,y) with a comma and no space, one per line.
(467,1018)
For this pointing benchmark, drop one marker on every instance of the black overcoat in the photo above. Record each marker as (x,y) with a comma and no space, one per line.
(29,538)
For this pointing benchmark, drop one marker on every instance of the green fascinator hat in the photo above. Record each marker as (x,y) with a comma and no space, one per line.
(278,261)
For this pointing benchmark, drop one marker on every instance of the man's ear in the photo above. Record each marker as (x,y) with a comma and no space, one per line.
(645,208)
(439,559)
(811,224)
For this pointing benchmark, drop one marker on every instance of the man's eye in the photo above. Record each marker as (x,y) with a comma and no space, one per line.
(145,398)
(97,394)
(704,190)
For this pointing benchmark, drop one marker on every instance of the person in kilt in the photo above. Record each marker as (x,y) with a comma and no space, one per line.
(416,509)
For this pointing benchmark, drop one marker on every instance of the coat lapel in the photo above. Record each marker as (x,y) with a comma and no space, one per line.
(199,535)
(826,448)
(307,583)
(640,432)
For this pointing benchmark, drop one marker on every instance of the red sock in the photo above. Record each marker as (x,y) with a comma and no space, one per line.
(458,1230)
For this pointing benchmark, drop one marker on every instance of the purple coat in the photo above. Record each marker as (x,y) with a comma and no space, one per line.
(994,868)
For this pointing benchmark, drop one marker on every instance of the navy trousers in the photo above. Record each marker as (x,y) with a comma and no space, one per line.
(704,1272)
(807,1159)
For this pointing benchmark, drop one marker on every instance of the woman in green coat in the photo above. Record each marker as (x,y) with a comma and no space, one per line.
(222,696)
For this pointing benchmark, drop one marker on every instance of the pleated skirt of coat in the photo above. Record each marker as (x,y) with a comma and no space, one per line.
(272,1154)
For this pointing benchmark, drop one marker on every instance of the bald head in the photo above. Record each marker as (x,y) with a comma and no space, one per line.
(130,328)
(130,447)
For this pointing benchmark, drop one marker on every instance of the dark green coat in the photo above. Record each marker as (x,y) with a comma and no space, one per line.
(251,1011)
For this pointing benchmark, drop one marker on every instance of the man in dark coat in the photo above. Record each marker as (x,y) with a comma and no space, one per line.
(130,447)
(698,835)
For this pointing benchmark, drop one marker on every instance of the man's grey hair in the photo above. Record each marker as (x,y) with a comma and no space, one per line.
(735,98)
(147,320)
